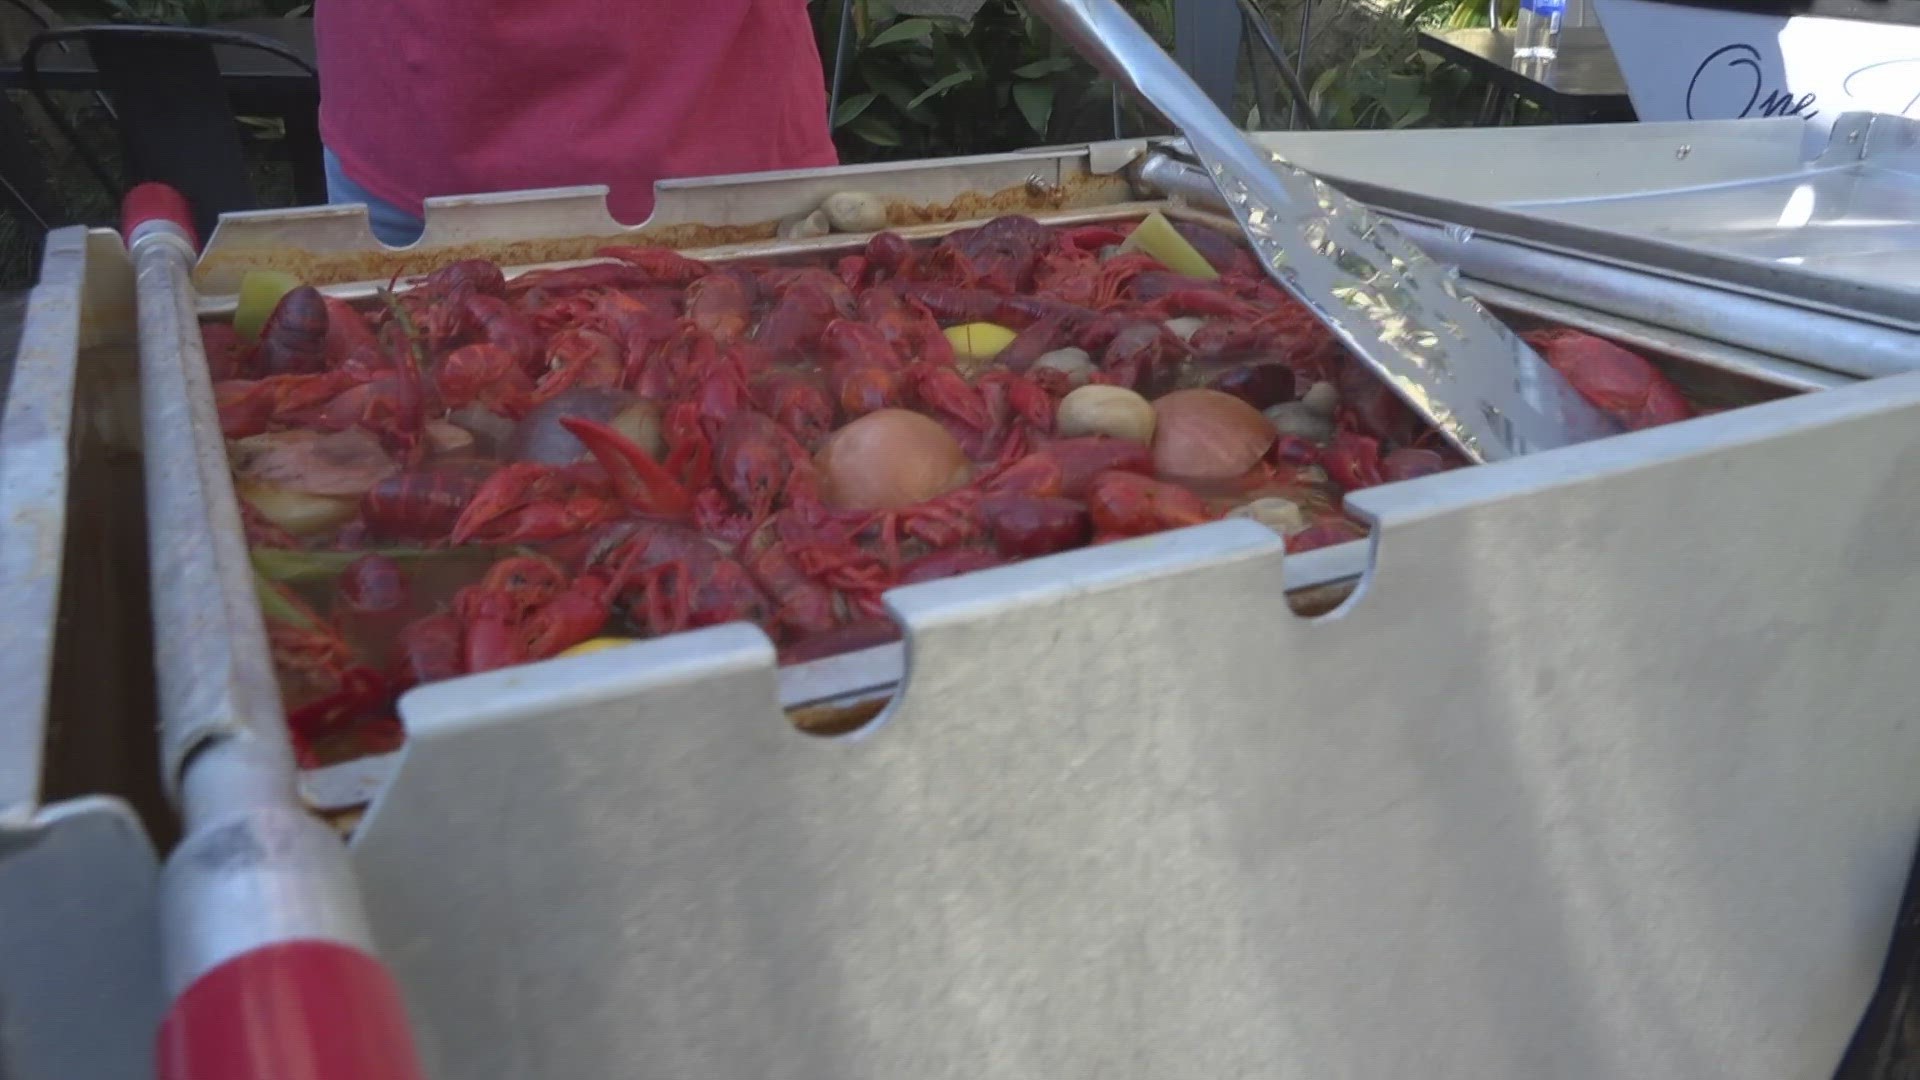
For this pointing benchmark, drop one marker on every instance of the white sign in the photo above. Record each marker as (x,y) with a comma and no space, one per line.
(1689,63)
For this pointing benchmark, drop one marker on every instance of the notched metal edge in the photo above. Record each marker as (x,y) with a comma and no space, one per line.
(475,701)
(1393,507)
(931,605)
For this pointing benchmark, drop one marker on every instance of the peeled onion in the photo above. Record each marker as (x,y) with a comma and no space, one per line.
(1283,516)
(855,212)
(446,437)
(889,459)
(1302,419)
(1074,363)
(343,463)
(1184,326)
(297,512)
(1207,435)
(489,427)
(1105,410)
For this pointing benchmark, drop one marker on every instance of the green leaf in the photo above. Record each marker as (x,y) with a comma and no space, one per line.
(1317,93)
(942,86)
(875,130)
(897,93)
(1036,104)
(904,30)
(1043,67)
(852,107)
(1412,116)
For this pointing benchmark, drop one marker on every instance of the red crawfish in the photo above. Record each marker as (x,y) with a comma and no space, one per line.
(1124,504)
(420,505)
(1621,384)
(672,578)
(721,303)
(659,266)
(347,332)
(526,502)
(527,608)
(906,326)
(800,315)
(797,400)
(294,339)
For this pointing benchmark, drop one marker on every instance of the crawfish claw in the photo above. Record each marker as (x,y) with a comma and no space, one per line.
(635,476)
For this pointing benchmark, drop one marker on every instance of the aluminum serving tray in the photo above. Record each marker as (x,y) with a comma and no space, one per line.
(1602,768)
(1755,232)
(79,968)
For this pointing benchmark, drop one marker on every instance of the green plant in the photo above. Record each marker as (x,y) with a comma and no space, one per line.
(174,12)
(1373,90)
(1458,14)
(917,87)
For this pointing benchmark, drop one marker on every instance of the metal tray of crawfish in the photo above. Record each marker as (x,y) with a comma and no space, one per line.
(476,466)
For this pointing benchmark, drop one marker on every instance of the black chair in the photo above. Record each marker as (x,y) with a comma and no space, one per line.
(176,119)
(24,185)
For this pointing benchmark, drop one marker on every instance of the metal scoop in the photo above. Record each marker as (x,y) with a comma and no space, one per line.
(1398,310)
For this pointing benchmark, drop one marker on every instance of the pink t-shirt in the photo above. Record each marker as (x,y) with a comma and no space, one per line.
(422,98)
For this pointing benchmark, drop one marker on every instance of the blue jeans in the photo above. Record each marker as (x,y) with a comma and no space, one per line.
(394,226)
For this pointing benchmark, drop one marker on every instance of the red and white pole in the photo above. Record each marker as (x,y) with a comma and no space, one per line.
(270,965)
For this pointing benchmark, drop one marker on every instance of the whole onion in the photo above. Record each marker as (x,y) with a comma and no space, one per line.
(889,459)
(1207,435)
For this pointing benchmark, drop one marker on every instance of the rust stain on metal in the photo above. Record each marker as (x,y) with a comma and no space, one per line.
(1316,600)
(829,720)
(332,268)
(1034,194)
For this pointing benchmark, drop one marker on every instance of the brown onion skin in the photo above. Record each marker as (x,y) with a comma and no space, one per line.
(1207,435)
(890,459)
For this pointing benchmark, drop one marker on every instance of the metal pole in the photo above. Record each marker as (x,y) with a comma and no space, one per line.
(839,60)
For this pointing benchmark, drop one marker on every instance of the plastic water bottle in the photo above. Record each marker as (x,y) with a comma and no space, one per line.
(1536,31)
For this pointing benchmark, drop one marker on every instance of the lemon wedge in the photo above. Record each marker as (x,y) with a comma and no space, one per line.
(594,645)
(260,293)
(979,341)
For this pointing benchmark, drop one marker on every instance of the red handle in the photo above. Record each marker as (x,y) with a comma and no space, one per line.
(318,1010)
(154,201)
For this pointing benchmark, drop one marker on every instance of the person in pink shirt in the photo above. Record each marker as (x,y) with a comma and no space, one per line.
(420,98)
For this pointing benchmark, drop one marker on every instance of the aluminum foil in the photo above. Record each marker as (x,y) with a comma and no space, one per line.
(1405,316)
(1400,312)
